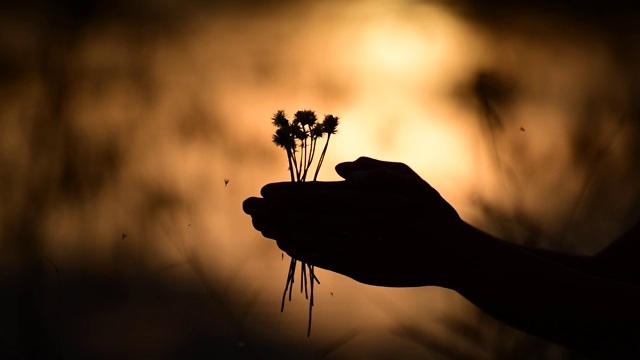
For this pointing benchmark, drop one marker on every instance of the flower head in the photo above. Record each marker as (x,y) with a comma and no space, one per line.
(284,138)
(317,131)
(280,119)
(305,117)
(297,131)
(330,124)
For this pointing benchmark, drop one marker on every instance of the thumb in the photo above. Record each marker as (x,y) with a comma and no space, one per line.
(364,163)
(385,180)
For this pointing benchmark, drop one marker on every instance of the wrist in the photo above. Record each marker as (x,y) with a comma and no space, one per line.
(463,257)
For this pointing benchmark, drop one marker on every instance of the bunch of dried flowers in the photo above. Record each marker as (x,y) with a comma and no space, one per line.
(299,138)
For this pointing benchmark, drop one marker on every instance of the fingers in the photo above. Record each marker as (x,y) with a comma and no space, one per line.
(339,197)
(320,228)
(366,200)
(252,205)
(364,163)
(375,175)
(386,180)
(300,189)
(343,263)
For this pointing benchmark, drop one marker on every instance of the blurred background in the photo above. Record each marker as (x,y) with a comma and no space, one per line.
(131,132)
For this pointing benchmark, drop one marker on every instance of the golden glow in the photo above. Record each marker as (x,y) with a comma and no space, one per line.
(182,113)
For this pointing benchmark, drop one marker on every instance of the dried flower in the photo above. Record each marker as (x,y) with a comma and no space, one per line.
(303,133)
(317,130)
(330,124)
(298,131)
(280,120)
(305,117)
(284,139)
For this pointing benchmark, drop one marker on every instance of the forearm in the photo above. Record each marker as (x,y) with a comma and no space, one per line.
(542,295)
(619,260)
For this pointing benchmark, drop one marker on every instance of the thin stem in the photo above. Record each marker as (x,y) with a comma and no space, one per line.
(303,279)
(300,165)
(310,301)
(289,280)
(321,160)
(314,141)
(306,158)
(284,294)
(306,286)
(312,275)
(290,164)
(293,272)
(292,156)
(307,161)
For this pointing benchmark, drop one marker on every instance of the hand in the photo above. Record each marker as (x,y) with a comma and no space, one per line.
(383,225)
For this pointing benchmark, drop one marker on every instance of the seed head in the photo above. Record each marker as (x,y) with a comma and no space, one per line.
(280,119)
(330,124)
(284,138)
(298,132)
(317,131)
(305,117)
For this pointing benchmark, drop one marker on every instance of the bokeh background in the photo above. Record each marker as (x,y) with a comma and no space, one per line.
(121,121)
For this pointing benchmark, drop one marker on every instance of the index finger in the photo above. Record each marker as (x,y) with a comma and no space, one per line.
(296,189)
(364,163)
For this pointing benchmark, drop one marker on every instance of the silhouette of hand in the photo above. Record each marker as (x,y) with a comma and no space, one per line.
(383,225)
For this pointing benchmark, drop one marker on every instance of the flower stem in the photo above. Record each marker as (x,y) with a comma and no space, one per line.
(321,160)
(312,275)
(290,275)
(303,280)
(290,164)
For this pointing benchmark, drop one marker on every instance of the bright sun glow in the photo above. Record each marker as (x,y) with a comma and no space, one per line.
(395,46)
